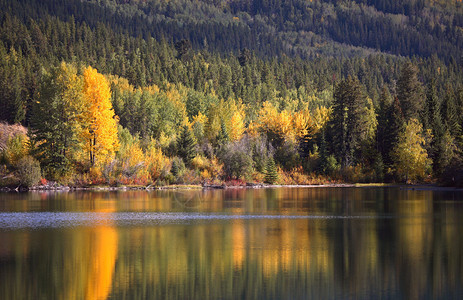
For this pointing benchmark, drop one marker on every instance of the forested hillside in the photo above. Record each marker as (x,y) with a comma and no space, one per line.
(217,90)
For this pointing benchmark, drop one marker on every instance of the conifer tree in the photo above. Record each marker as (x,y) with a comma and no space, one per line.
(222,136)
(409,92)
(383,129)
(449,114)
(271,175)
(347,124)
(432,121)
(186,145)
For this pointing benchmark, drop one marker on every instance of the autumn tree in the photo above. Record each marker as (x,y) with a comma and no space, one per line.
(101,124)
(410,157)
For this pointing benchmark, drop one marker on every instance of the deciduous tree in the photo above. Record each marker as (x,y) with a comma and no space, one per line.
(101,124)
(410,157)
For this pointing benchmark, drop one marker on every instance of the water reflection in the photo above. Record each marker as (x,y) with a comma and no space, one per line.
(415,252)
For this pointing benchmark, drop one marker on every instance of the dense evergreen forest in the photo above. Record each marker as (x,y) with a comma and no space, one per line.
(205,91)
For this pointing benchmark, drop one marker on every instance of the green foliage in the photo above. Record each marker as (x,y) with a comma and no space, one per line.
(177,169)
(16,148)
(186,145)
(410,92)
(28,169)
(56,126)
(223,136)
(217,86)
(237,160)
(330,165)
(348,124)
(271,174)
(287,155)
(262,151)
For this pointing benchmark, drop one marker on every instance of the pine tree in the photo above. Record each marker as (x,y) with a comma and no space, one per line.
(271,174)
(383,129)
(449,114)
(409,92)
(347,124)
(186,145)
(432,120)
(222,136)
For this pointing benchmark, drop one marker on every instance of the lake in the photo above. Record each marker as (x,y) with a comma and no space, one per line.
(279,243)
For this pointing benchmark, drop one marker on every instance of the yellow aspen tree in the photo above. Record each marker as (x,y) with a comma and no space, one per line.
(237,126)
(410,157)
(321,116)
(303,124)
(101,134)
(277,126)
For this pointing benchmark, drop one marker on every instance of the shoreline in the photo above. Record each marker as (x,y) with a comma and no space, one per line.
(64,188)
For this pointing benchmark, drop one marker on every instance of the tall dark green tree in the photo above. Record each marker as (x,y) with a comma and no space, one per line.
(410,92)
(13,92)
(449,113)
(186,145)
(432,121)
(383,141)
(347,122)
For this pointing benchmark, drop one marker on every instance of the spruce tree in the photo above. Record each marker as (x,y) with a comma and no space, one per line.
(186,145)
(449,114)
(271,175)
(409,92)
(432,120)
(385,103)
(347,122)
(222,136)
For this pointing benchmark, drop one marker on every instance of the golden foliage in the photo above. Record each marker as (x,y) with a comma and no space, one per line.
(237,126)
(284,124)
(410,156)
(321,116)
(156,161)
(101,134)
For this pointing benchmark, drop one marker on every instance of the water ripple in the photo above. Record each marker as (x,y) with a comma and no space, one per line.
(18,220)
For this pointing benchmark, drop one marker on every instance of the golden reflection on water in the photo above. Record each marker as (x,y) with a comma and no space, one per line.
(413,254)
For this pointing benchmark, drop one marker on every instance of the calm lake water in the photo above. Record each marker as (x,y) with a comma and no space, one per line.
(286,243)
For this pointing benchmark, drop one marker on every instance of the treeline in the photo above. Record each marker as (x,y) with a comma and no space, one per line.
(178,114)
(271,28)
(176,134)
(26,47)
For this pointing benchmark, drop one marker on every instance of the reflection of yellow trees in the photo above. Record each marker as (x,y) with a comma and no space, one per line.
(242,258)
(77,263)
(238,236)
(415,240)
(103,249)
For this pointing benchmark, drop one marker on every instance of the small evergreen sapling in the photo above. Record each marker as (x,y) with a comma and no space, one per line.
(271,175)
